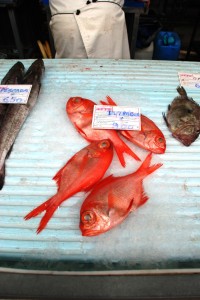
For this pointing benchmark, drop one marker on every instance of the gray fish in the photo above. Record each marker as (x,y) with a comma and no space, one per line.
(183,118)
(16,114)
(13,76)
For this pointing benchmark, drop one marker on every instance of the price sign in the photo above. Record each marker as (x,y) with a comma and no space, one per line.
(116,117)
(15,94)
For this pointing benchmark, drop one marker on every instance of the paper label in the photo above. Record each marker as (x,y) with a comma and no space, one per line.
(116,117)
(189,80)
(15,94)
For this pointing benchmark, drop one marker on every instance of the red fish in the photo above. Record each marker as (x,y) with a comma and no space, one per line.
(113,199)
(150,137)
(80,113)
(80,173)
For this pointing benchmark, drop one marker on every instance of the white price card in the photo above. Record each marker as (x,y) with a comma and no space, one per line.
(15,94)
(116,117)
(189,80)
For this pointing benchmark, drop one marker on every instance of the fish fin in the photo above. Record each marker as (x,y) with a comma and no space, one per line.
(165,119)
(144,198)
(38,210)
(123,148)
(111,101)
(2,176)
(57,177)
(81,131)
(47,216)
(103,102)
(145,168)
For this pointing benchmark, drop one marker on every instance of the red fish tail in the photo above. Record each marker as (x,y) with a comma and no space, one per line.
(122,148)
(145,168)
(45,219)
(38,210)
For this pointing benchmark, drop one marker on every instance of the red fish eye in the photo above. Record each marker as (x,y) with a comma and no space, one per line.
(76,100)
(104,144)
(160,140)
(88,217)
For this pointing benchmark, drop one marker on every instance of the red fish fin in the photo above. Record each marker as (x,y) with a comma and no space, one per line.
(145,168)
(126,134)
(103,102)
(45,219)
(123,148)
(144,198)
(80,130)
(111,101)
(58,175)
(38,210)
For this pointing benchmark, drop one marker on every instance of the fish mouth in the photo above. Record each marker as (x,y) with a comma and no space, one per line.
(89,232)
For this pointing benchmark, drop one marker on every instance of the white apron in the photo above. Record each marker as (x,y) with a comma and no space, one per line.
(93,30)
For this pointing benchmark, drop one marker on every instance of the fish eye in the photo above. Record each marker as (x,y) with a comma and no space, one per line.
(76,100)
(160,140)
(88,217)
(104,144)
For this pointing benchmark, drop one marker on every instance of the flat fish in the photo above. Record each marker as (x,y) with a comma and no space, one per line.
(183,118)
(16,114)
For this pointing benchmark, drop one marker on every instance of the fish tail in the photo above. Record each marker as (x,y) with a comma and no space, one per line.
(145,168)
(45,219)
(122,148)
(181,91)
(2,176)
(38,210)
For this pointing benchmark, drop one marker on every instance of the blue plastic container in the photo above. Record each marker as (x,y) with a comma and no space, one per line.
(166,46)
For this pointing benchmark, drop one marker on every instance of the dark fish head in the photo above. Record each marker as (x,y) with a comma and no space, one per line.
(15,74)
(93,222)
(186,134)
(34,72)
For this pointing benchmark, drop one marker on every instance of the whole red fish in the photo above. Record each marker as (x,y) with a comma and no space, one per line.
(80,173)
(80,112)
(112,200)
(150,137)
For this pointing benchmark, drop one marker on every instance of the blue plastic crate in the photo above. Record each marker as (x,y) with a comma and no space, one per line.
(167,46)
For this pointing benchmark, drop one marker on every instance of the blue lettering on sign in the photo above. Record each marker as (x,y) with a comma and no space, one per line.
(197,85)
(12,100)
(123,113)
(9,90)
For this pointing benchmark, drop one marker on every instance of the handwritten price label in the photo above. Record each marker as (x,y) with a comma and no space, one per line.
(15,94)
(189,80)
(116,117)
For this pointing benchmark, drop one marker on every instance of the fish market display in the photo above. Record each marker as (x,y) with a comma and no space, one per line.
(183,118)
(80,113)
(80,173)
(150,137)
(112,200)
(16,115)
(14,76)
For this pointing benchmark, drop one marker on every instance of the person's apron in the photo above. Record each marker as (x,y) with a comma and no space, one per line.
(89,29)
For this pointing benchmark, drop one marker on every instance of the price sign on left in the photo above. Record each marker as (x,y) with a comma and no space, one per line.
(15,94)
